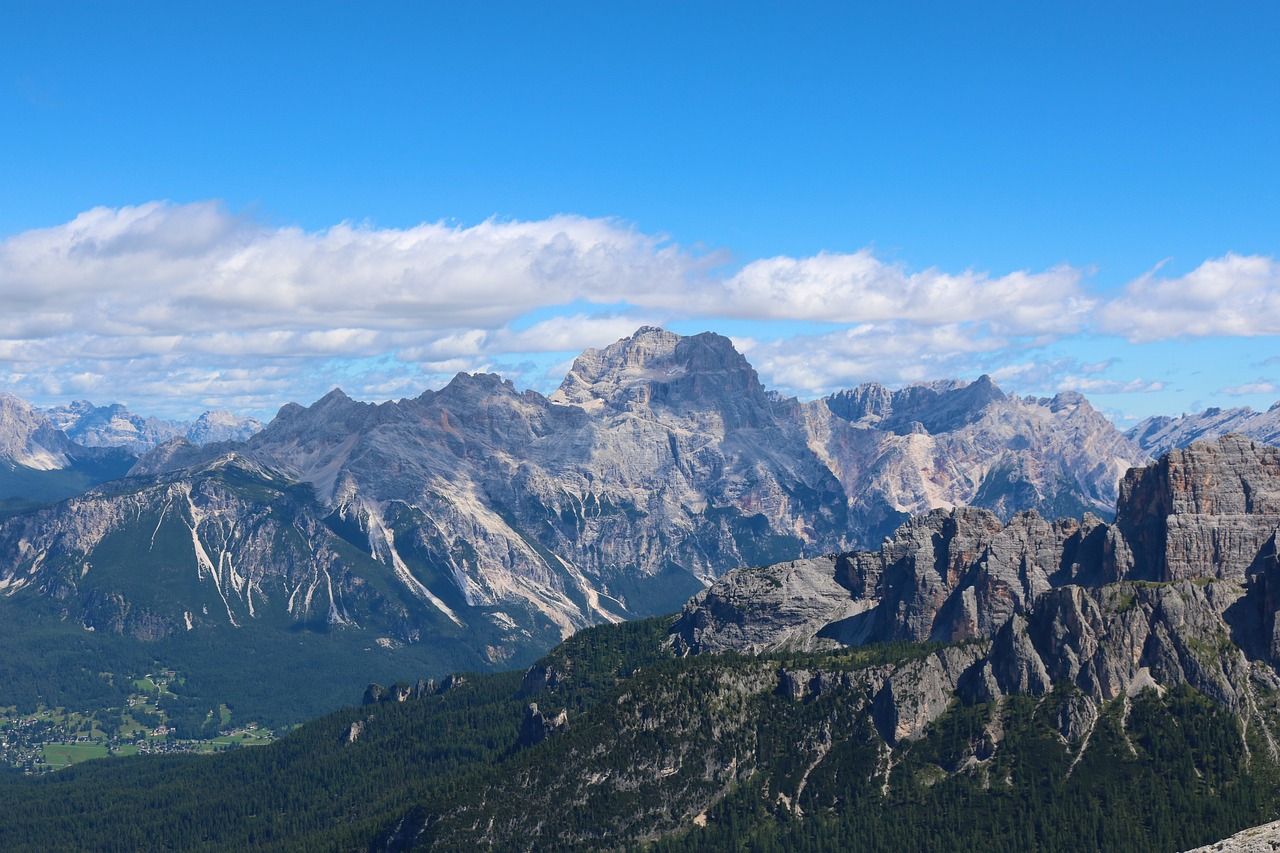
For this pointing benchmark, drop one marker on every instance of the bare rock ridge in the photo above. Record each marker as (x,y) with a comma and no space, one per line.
(1184,587)
(115,426)
(942,406)
(1161,433)
(660,463)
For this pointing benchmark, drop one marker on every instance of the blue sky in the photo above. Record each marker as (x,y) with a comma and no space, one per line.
(230,205)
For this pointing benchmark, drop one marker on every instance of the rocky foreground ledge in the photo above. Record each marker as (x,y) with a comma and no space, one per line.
(1258,839)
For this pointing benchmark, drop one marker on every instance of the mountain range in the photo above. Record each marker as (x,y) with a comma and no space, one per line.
(971,684)
(477,525)
(115,426)
(48,455)
(1162,433)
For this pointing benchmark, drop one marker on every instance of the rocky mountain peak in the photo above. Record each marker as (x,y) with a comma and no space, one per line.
(654,366)
(221,425)
(114,425)
(471,386)
(942,406)
(336,397)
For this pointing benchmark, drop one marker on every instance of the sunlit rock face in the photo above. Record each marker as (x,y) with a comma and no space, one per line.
(1204,510)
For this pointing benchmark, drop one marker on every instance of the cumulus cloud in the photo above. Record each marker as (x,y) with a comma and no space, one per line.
(167,305)
(186,269)
(860,288)
(165,299)
(891,353)
(1231,296)
(555,334)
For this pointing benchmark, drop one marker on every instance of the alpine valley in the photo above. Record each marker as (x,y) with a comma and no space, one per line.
(942,617)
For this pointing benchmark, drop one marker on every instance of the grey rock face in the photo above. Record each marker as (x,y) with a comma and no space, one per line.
(946,444)
(1258,839)
(1121,638)
(784,606)
(944,406)
(1205,510)
(915,695)
(947,576)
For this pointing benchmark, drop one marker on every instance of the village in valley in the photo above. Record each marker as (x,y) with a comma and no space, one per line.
(52,738)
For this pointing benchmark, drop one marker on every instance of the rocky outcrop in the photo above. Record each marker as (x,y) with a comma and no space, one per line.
(915,695)
(946,576)
(537,727)
(1205,510)
(784,606)
(1122,638)
(1208,511)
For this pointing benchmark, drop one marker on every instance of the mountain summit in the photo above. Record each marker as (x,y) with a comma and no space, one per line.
(656,368)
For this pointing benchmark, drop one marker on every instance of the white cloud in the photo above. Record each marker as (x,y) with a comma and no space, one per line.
(1098,385)
(1231,296)
(170,306)
(181,269)
(891,353)
(1261,386)
(860,288)
(556,334)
